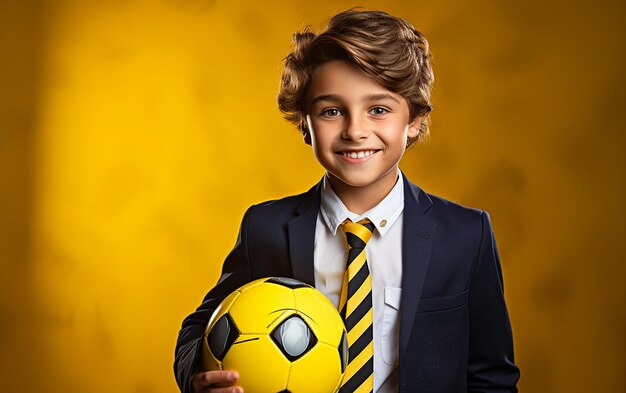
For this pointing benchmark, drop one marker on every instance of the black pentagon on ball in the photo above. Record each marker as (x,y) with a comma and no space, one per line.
(222,336)
(288,282)
(343,351)
(293,337)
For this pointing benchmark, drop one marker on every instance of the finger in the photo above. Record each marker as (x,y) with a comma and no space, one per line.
(208,378)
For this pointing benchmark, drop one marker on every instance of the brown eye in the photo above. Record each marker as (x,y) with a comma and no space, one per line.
(332,112)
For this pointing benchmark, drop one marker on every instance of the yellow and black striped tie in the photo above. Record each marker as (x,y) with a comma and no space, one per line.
(355,307)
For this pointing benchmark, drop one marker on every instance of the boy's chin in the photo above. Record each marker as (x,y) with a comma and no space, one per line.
(359,180)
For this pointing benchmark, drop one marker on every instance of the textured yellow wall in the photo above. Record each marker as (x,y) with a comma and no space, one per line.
(133,135)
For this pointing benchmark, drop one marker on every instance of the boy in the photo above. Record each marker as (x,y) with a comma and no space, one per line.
(360,94)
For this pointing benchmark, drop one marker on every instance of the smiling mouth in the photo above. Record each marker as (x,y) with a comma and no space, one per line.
(357,154)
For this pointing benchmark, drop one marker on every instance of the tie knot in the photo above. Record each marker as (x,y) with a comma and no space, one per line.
(358,233)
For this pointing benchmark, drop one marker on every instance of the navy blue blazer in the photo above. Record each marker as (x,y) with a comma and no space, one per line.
(455,334)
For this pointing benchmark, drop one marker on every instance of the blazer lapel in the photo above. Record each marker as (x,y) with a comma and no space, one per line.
(417,240)
(301,234)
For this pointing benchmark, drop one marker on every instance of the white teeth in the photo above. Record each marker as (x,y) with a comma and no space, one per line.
(360,154)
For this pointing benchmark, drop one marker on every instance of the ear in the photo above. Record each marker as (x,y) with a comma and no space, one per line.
(415,127)
(307,137)
(305,127)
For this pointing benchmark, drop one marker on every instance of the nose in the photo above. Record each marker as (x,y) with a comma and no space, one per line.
(355,128)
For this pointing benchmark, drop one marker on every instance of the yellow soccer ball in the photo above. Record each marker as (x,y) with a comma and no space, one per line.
(281,335)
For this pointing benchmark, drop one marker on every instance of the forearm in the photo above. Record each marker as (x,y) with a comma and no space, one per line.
(188,350)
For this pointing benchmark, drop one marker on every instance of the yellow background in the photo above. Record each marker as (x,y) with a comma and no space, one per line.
(134,134)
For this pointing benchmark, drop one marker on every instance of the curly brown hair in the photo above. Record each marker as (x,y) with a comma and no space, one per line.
(383,47)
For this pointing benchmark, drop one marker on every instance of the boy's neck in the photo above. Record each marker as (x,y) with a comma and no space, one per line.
(359,199)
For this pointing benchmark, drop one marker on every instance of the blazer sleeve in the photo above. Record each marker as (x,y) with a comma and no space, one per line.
(491,367)
(235,272)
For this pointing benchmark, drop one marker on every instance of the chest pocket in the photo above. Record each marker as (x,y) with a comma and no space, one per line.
(390,334)
(443,303)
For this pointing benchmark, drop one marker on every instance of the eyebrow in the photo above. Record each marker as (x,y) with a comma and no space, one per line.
(336,97)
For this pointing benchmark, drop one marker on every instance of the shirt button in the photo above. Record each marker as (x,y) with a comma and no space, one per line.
(383,223)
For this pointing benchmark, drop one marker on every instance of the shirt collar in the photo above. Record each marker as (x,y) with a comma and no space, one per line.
(383,215)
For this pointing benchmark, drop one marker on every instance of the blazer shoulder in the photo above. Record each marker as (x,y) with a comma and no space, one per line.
(448,212)
(454,207)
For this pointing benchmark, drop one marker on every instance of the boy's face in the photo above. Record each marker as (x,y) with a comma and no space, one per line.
(358,129)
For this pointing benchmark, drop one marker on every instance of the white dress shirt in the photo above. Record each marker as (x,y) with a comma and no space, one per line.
(384,259)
